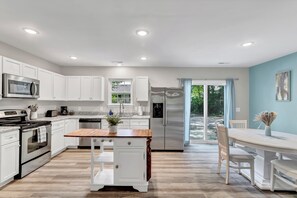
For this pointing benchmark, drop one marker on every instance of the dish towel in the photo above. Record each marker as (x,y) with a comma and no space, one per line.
(41,134)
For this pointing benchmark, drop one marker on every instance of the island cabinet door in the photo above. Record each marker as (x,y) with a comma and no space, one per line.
(129,165)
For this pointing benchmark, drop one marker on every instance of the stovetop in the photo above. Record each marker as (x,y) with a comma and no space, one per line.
(27,124)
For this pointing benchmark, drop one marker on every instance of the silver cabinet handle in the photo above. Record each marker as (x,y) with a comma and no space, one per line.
(129,143)
(102,140)
(110,140)
(117,166)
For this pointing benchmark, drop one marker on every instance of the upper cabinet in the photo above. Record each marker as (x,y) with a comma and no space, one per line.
(142,89)
(59,87)
(46,84)
(87,88)
(29,71)
(73,87)
(11,66)
(98,88)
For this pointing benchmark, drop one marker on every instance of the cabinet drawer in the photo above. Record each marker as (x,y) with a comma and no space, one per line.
(139,127)
(9,137)
(57,125)
(130,142)
(141,122)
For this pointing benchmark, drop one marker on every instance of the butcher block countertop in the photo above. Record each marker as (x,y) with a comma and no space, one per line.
(102,133)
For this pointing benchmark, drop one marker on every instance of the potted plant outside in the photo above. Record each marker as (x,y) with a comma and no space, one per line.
(113,121)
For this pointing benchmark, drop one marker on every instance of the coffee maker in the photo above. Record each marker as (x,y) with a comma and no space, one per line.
(64,110)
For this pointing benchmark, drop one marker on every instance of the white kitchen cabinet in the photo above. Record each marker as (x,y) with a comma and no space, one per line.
(1,77)
(73,87)
(11,66)
(59,87)
(70,126)
(129,159)
(129,123)
(142,89)
(98,88)
(9,155)
(86,87)
(57,140)
(46,84)
(29,71)
(92,88)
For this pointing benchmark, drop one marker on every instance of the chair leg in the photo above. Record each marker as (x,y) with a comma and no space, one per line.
(272,177)
(252,169)
(219,165)
(227,171)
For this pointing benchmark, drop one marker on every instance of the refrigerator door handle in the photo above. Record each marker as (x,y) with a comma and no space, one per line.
(164,111)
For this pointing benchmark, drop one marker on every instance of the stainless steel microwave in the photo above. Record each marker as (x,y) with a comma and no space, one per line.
(20,87)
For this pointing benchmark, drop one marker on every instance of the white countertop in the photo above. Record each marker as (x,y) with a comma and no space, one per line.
(58,118)
(4,129)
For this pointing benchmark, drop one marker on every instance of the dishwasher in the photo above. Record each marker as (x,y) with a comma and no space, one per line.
(88,123)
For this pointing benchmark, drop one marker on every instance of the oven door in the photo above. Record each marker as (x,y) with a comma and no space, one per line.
(20,87)
(34,143)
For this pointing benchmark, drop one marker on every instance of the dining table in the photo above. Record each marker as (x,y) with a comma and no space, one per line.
(267,148)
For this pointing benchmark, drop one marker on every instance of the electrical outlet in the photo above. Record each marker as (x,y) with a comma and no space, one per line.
(237,109)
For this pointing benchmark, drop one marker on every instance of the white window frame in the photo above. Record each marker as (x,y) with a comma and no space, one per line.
(110,91)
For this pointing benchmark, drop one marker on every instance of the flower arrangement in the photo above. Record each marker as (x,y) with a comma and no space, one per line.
(113,120)
(266,117)
(33,108)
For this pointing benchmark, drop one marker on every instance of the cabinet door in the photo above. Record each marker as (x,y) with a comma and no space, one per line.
(46,84)
(9,161)
(98,88)
(86,87)
(11,66)
(71,125)
(73,88)
(59,87)
(57,143)
(1,58)
(29,71)
(129,165)
(141,89)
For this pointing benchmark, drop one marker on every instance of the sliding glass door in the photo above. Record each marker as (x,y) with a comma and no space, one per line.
(207,109)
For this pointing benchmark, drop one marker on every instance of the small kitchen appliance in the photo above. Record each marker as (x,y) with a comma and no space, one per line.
(64,110)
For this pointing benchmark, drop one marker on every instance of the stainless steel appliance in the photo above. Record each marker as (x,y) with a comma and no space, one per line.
(88,123)
(51,113)
(167,118)
(35,140)
(20,87)
(64,110)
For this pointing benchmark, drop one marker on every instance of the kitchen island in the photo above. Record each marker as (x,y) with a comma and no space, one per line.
(127,164)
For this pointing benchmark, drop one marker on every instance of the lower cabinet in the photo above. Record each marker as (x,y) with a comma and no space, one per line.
(71,125)
(9,152)
(57,141)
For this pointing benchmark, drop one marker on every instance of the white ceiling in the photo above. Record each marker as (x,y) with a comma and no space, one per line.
(183,33)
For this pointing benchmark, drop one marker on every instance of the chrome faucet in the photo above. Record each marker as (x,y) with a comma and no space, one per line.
(121,108)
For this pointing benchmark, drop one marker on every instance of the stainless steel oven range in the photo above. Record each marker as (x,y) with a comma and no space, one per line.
(35,140)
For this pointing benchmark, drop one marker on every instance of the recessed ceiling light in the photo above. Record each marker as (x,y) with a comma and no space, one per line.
(30,31)
(247,44)
(142,32)
(73,57)
(144,58)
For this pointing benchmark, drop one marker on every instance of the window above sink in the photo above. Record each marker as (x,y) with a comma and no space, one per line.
(120,91)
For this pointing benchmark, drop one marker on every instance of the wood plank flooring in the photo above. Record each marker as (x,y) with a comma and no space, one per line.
(174,174)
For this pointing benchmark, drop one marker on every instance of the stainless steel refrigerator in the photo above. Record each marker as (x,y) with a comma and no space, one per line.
(167,118)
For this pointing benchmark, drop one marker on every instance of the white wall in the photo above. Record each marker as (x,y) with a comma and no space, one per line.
(167,77)
(22,56)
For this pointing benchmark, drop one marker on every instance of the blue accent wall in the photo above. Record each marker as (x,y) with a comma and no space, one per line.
(262,93)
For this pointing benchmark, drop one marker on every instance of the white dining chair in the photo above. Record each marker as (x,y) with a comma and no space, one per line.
(234,155)
(286,167)
(242,124)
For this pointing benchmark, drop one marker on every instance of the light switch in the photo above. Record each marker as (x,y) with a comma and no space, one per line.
(237,109)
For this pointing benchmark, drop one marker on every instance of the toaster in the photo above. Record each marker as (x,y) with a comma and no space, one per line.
(51,113)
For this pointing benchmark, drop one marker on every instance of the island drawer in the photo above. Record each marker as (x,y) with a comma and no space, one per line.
(130,142)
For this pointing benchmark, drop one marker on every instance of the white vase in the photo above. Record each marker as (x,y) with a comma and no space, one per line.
(267,131)
(113,129)
(33,115)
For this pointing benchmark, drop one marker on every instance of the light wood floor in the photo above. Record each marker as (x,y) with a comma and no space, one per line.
(188,174)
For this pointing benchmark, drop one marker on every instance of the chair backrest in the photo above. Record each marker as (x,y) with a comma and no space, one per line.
(223,141)
(242,124)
